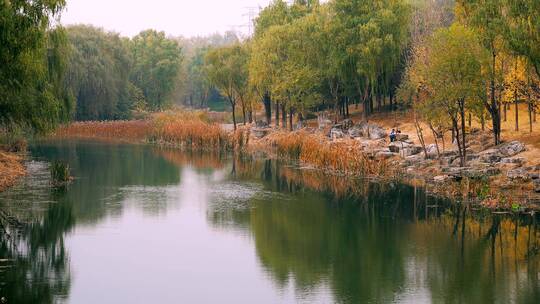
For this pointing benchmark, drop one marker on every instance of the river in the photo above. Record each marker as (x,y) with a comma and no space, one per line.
(141,224)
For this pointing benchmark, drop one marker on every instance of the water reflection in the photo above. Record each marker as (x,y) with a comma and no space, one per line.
(325,238)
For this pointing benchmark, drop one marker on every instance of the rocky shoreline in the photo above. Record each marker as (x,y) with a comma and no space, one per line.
(494,176)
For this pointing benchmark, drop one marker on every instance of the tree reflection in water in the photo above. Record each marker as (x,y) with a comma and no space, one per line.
(382,242)
(364,241)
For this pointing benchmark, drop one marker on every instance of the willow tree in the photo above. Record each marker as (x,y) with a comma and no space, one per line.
(375,33)
(278,13)
(488,19)
(523,34)
(98,73)
(226,69)
(32,59)
(452,78)
(156,63)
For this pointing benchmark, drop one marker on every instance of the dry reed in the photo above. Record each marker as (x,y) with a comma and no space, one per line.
(345,157)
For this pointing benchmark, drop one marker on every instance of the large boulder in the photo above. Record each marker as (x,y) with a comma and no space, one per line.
(519,173)
(262,124)
(364,129)
(431,150)
(511,148)
(536,184)
(347,124)
(402,137)
(491,156)
(336,133)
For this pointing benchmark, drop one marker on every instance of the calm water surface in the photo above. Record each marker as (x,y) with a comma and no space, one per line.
(147,225)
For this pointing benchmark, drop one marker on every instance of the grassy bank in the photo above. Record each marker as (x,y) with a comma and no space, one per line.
(11,169)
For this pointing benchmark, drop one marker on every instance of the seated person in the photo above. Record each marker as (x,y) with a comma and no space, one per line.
(393,135)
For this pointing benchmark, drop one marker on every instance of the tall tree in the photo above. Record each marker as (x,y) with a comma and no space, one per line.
(31,61)
(487,18)
(98,74)
(226,70)
(450,78)
(156,62)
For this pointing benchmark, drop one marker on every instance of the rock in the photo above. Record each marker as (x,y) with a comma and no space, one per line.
(414,159)
(476,172)
(402,137)
(534,176)
(431,150)
(511,148)
(385,155)
(356,131)
(324,123)
(261,124)
(536,184)
(491,156)
(442,178)
(347,124)
(364,129)
(396,147)
(336,133)
(260,132)
(411,150)
(519,173)
(513,160)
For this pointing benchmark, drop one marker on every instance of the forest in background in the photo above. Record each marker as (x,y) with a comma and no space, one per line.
(448,61)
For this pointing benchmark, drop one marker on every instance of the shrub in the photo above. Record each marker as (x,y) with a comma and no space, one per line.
(60,173)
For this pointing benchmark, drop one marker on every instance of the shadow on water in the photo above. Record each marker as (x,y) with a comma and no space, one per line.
(366,242)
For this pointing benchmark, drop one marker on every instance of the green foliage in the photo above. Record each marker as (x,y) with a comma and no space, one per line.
(226,69)
(156,62)
(60,173)
(98,74)
(31,57)
(523,31)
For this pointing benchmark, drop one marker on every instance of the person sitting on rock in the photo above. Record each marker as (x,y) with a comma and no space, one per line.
(393,135)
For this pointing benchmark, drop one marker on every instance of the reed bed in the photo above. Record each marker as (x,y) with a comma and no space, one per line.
(187,130)
(131,130)
(345,157)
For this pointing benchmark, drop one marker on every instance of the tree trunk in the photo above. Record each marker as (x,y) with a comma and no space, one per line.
(277,114)
(530,116)
(455,126)
(283,117)
(463,134)
(517,115)
(233,105)
(494,108)
(267,102)
(291,113)
(483,121)
(505,109)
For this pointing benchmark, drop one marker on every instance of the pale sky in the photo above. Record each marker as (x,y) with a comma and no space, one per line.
(180,17)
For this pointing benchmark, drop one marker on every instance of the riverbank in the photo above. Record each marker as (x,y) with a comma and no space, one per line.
(503,177)
(11,169)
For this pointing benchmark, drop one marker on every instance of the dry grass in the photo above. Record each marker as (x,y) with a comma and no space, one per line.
(187,130)
(134,130)
(183,129)
(11,168)
(345,157)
